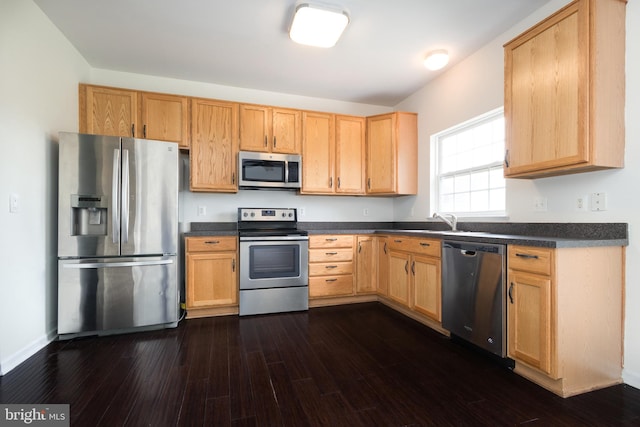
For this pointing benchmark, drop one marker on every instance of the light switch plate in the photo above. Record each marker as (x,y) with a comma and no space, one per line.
(598,201)
(14,203)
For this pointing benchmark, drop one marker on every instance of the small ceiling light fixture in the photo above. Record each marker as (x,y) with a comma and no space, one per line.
(436,59)
(316,25)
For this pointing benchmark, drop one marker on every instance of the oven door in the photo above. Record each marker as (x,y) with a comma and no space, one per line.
(274,262)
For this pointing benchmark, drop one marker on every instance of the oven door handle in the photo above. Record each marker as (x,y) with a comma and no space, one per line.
(273,238)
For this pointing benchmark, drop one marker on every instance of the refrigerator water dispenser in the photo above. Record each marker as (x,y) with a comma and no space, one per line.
(88,215)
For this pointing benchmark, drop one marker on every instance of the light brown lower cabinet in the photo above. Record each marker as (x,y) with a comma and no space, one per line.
(211,276)
(565,316)
(382,256)
(366,271)
(331,272)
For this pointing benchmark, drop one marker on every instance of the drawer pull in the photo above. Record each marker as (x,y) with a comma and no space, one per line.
(398,241)
(331,266)
(331,280)
(424,244)
(331,253)
(212,242)
(527,256)
(332,239)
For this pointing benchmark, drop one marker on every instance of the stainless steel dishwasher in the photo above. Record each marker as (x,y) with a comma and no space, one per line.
(474,293)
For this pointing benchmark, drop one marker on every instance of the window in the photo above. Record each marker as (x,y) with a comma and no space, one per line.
(467,167)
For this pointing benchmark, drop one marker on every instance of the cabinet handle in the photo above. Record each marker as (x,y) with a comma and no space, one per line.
(506,158)
(331,266)
(406,267)
(331,280)
(331,239)
(233,178)
(331,253)
(527,256)
(274,141)
(369,183)
(133,130)
(338,182)
(385,248)
(233,265)
(265,141)
(144,131)
(212,242)
(511,293)
(359,247)
(413,268)
(330,182)
(424,244)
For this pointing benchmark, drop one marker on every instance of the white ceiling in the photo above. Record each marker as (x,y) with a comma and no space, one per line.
(244,43)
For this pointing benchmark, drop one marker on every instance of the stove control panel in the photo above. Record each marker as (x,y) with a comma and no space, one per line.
(260,214)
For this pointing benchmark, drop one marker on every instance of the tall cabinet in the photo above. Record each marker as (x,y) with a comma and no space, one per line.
(564,92)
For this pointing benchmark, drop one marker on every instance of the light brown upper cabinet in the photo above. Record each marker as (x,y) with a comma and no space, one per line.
(564,92)
(107,111)
(392,154)
(214,145)
(165,117)
(268,129)
(333,154)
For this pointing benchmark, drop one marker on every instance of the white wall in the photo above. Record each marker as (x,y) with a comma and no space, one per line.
(38,97)
(475,86)
(223,207)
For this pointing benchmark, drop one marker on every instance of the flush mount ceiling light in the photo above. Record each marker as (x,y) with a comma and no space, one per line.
(436,59)
(316,25)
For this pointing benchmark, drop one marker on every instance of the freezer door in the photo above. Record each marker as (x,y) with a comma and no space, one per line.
(149,197)
(99,295)
(88,195)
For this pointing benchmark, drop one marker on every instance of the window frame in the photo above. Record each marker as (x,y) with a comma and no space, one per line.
(435,162)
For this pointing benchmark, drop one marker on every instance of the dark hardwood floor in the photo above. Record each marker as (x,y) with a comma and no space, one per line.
(356,365)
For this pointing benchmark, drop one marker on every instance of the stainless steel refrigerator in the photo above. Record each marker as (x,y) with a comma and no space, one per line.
(117,234)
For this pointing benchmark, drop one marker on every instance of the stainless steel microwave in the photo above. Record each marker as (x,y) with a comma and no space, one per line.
(269,170)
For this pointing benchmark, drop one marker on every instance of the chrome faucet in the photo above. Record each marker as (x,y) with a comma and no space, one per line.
(453,222)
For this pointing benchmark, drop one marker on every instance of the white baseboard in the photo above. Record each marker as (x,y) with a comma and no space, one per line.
(7,364)
(631,378)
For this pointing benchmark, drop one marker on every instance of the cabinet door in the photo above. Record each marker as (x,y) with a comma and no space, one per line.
(107,111)
(529,319)
(287,131)
(318,146)
(255,128)
(165,118)
(427,286)
(381,154)
(383,265)
(214,145)
(399,278)
(350,146)
(546,95)
(211,279)
(365,266)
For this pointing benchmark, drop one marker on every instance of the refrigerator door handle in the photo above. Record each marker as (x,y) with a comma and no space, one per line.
(125,195)
(115,211)
(117,264)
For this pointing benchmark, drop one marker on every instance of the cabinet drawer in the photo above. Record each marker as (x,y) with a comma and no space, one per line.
(534,260)
(331,241)
(330,255)
(430,247)
(330,268)
(211,244)
(330,286)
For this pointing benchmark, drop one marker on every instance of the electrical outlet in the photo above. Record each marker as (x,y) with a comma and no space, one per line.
(365,212)
(581,203)
(540,204)
(14,203)
(202,210)
(302,211)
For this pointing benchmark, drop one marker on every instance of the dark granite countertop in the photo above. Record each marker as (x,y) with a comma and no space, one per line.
(551,235)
